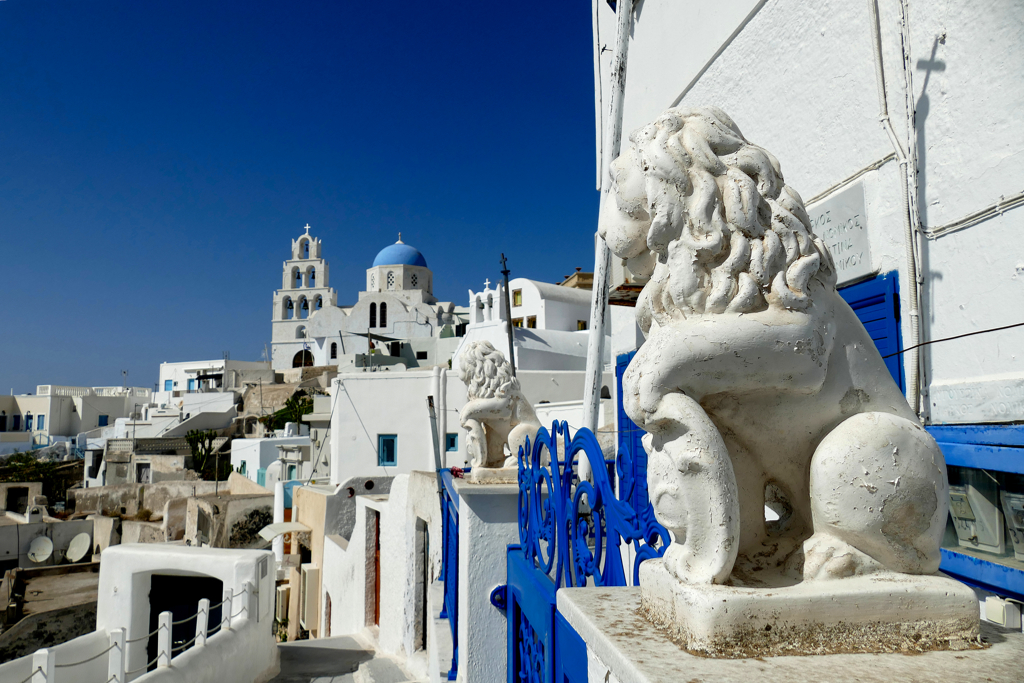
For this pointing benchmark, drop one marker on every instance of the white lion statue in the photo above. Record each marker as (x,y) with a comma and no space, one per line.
(757,384)
(497,414)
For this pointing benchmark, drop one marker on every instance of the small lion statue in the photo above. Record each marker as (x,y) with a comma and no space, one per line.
(757,384)
(497,414)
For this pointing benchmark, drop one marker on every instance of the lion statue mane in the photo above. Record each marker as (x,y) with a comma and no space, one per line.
(497,415)
(757,384)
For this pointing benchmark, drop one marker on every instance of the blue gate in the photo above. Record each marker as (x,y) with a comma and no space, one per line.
(450,564)
(570,534)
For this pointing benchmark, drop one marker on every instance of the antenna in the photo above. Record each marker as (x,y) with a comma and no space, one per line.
(40,550)
(79,547)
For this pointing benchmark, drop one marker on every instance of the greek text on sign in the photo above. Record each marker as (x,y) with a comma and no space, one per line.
(839,222)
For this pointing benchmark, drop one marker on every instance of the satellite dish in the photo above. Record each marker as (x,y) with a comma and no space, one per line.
(79,547)
(40,549)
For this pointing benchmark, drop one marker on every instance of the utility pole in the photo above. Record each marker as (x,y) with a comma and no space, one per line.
(508,312)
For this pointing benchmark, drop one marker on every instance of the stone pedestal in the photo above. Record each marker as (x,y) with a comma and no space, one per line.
(488,522)
(493,475)
(884,612)
(626,647)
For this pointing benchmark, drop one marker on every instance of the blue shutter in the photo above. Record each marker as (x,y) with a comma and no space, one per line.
(877,305)
(168,385)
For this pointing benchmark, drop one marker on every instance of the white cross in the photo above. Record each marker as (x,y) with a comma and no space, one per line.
(487,283)
(307,228)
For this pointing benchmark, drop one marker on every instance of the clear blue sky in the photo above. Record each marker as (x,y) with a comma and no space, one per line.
(158,157)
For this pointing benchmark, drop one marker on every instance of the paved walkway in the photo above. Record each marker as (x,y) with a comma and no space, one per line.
(335,660)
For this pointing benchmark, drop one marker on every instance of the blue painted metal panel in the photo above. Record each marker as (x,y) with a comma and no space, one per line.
(998,458)
(991,435)
(876,303)
(531,619)
(994,577)
(571,659)
(450,564)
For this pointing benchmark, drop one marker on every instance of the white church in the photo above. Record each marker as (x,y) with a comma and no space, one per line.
(396,322)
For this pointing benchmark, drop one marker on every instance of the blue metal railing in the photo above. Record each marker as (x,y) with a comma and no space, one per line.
(570,534)
(450,563)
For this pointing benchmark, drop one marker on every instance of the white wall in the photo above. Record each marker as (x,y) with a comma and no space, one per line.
(799,80)
(260,453)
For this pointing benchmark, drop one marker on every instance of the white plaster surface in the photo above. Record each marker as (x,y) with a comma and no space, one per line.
(487,524)
(799,80)
(624,647)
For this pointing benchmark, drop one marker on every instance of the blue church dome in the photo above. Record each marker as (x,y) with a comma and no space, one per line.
(400,254)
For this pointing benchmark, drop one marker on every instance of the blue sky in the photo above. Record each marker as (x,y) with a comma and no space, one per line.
(158,157)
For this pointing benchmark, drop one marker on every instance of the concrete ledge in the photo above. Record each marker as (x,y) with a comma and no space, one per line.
(884,612)
(624,646)
(492,475)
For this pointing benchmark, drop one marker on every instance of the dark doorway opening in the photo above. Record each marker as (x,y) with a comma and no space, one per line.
(303,359)
(17,499)
(180,595)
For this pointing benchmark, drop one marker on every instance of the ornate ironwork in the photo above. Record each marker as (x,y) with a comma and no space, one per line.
(572,530)
(531,662)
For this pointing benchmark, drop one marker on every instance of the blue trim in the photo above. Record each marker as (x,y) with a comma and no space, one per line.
(570,655)
(450,564)
(991,576)
(998,458)
(988,434)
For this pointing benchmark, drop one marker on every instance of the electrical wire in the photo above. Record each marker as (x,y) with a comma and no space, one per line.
(959,336)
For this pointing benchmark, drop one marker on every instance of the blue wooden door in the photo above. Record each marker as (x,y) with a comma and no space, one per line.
(877,304)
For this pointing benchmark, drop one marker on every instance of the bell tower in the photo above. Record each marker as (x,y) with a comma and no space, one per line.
(304,291)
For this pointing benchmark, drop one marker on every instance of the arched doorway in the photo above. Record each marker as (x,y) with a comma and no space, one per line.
(303,359)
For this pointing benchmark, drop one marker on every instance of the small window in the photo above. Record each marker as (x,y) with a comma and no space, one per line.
(334,350)
(373,315)
(451,442)
(17,423)
(517,322)
(291,472)
(387,450)
(102,420)
(582,324)
(373,281)
(421,355)
(40,422)
(168,385)
(517,297)
(391,280)
(531,322)
(383,315)
(413,280)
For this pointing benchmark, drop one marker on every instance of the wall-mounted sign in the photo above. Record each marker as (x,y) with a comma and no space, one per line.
(839,222)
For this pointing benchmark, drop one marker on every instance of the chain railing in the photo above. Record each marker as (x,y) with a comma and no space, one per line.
(44,666)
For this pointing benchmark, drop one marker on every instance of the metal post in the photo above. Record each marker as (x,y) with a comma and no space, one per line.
(602,255)
(117,660)
(225,611)
(442,418)
(508,314)
(43,666)
(163,640)
(202,622)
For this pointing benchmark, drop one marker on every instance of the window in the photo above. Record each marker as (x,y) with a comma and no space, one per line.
(168,385)
(41,422)
(451,442)
(300,332)
(395,348)
(16,419)
(3,420)
(387,450)
(413,280)
(517,322)
(291,472)
(531,322)
(241,469)
(334,350)
(421,355)
(104,420)
(192,384)
(373,315)
(383,315)
(517,297)
(373,281)
(581,324)
(28,422)
(391,280)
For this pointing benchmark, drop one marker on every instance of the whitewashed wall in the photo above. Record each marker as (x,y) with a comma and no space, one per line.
(798,78)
